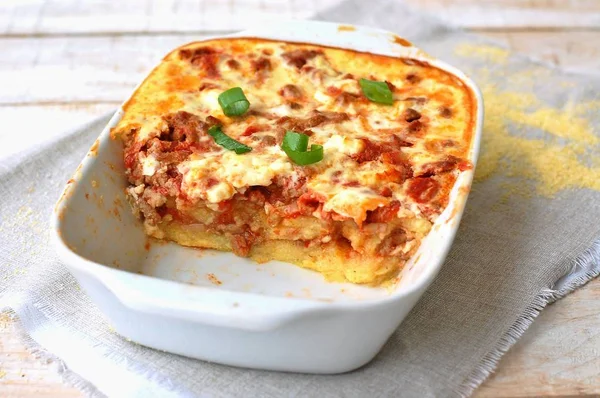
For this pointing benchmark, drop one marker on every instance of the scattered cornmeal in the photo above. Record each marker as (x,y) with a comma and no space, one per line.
(560,158)
(498,55)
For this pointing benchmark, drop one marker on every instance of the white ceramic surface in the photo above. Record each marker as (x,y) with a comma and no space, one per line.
(271,316)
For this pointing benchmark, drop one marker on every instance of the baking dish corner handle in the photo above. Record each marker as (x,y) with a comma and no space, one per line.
(206,305)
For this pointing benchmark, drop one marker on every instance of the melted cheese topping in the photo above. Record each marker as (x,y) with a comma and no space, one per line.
(326,80)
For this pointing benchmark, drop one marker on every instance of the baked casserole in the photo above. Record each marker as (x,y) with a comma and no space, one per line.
(331,159)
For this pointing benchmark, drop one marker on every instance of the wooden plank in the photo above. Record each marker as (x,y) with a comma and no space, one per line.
(24,375)
(140,16)
(577,52)
(55,119)
(558,356)
(75,69)
(67,80)
(106,69)
(541,363)
(48,17)
(503,14)
(21,373)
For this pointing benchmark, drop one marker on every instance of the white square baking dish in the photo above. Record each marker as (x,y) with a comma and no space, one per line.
(222,308)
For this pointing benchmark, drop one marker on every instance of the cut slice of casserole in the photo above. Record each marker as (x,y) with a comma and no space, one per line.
(387,138)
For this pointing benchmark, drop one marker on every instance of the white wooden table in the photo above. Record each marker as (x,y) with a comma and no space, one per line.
(66,62)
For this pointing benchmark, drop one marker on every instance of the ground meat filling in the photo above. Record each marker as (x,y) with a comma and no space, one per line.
(299,58)
(445,112)
(291,92)
(410,115)
(151,190)
(262,68)
(205,58)
(443,166)
(158,198)
(345,98)
(314,119)
(156,192)
(184,127)
(261,64)
(157,195)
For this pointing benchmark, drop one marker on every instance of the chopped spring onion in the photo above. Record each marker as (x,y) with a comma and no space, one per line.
(234,102)
(295,141)
(227,142)
(376,91)
(295,145)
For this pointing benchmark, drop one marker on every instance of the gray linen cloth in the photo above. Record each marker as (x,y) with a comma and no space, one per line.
(530,235)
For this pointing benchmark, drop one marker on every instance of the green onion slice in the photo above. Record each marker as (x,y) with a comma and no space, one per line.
(295,145)
(376,91)
(234,102)
(295,141)
(227,142)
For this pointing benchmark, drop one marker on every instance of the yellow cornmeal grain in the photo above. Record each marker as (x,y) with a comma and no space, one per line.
(553,166)
(562,159)
(5,320)
(559,122)
(495,54)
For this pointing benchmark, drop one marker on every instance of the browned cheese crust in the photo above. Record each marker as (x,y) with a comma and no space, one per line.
(357,215)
